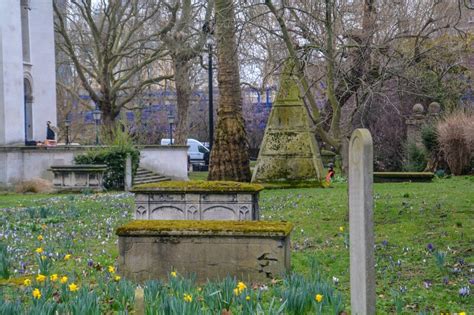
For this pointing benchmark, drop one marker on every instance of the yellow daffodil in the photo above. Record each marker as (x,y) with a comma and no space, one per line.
(188,298)
(247,298)
(462,313)
(241,286)
(63,280)
(67,257)
(43,257)
(173,274)
(73,287)
(53,277)
(36,293)
(341,229)
(27,282)
(40,237)
(117,278)
(318,298)
(40,278)
(111,269)
(39,250)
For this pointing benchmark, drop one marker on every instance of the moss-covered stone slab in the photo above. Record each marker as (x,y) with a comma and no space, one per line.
(249,251)
(289,150)
(192,227)
(198,186)
(391,177)
(197,200)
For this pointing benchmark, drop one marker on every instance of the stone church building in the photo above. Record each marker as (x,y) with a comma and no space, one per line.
(27,70)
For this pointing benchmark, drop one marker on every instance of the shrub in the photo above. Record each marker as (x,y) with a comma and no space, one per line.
(35,185)
(429,136)
(455,138)
(114,156)
(415,158)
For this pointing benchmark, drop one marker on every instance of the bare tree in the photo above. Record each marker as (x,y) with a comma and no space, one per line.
(111,48)
(346,51)
(185,42)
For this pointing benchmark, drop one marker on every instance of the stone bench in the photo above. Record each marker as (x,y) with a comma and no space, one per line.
(250,251)
(78,177)
(197,200)
(391,177)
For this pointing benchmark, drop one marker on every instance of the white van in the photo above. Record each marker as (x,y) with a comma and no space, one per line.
(197,152)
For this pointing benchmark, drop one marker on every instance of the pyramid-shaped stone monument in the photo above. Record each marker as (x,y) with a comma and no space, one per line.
(289,151)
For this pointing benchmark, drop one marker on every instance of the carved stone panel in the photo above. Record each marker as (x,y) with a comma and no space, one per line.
(195,206)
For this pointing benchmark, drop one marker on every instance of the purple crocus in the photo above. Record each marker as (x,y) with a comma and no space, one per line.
(430,247)
(464,291)
(427,284)
(471,281)
(90,262)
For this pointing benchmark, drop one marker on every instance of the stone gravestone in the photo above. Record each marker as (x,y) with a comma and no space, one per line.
(128,173)
(361,230)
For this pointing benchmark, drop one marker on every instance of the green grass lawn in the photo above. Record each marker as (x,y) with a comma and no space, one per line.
(424,238)
(408,217)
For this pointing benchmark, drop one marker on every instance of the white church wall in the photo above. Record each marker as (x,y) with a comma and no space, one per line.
(43,69)
(12,127)
(19,163)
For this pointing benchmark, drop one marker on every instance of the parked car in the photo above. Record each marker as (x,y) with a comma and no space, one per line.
(197,152)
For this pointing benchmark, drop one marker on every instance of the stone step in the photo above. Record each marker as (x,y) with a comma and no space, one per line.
(154,176)
(147,181)
(143,171)
(145,176)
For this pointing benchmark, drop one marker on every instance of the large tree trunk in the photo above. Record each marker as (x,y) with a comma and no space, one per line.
(229,156)
(108,121)
(183,93)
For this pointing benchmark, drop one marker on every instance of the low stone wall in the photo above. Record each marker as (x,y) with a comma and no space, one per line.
(250,251)
(78,177)
(168,160)
(197,200)
(19,163)
(398,177)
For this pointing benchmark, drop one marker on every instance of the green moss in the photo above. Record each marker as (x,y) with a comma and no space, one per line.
(293,184)
(199,186)
(404,174)
(233,227)
(381,177)
(327,153)
(13,281)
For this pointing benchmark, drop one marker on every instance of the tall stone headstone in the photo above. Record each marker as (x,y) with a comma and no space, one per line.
(289,150)
(128,173)
(361,223)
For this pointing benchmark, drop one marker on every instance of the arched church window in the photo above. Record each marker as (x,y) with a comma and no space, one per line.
(28,102)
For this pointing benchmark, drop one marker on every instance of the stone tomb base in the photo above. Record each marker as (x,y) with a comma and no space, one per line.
(250,251)
(78,177)
(197,200)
